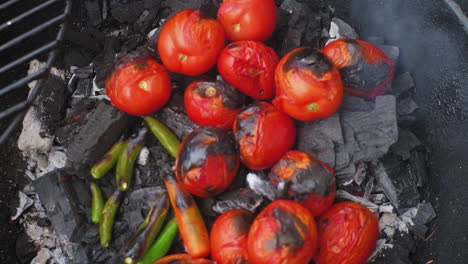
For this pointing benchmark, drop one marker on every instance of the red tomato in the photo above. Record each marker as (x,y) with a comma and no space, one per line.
(365,69)
(213,103)
(283,233)
(308,87)
(229,237)
(182,259)
(348,233)
(190,43)
(250,67)
(310,181)
(139,86)
(207,161)
(264,135)
(248,19)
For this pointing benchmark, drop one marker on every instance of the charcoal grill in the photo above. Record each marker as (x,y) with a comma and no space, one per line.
(48,18)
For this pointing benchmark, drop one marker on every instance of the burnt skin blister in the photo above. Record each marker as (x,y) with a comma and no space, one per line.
(308,59)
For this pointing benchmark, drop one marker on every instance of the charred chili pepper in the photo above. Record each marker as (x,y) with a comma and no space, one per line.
(108,160)
(143,239)
(306,180)
(97,202)
(124,170)
(191,225)
(283,233)
(365,69)
(183,259)
(164,135)
(228,237)
(107,217)
(348,233)
(163,243)
(208,161)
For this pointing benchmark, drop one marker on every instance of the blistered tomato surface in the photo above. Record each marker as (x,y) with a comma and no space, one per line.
(183,259)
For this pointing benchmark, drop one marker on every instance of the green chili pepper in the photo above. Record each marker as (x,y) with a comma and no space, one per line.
(108,160)
(143,239)
(124,169)
(97,202)
(164,135)
(163,243)
(107,217)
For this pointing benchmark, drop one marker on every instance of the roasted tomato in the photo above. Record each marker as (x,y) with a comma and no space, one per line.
(365,69)
(139,86)
(213,103)
(308,87)
(182,259)
(250,67)
(248,19)
(308,181)
(229,237)
(207,161)
(190,43)
(284,232)
(264,135)
(348,233)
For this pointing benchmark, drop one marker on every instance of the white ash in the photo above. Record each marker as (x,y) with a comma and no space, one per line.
(343,195)
(98,92)
(35,66)
(340,29)
(24,203)
(143,156)
(34,136)
(361,173)
(44,256)
(386,208)
(39,164)
(379,247)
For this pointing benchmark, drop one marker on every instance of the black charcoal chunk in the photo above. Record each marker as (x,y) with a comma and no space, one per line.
(179,5)
(93,12)
(25,248)
(342,195)
(425,213)
(406,106)
(106,61)
(145,20)
(418,167)
(393,52)
(175,117)
(320,137)
(402,83)
(407,141)
(375,40)
(102,129)
(86,72)
(83,39)
(361,173)
(66,202)
(238,199)
(399,253)
(340,29)
(126,12)
(262,186)
(353,103)
(158,165)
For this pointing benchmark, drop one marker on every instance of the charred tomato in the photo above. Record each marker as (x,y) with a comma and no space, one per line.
(207,161)
(183,259)
(190,43)
(213,103)
(348,233)
(365,69)
(229,237)
(138,85)
(250,67)
(308,86)
(248,19)
(306,180)
(284,232)
(264,135)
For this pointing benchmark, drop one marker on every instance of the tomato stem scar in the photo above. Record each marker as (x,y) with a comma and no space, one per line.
(143,85)
(182,57)
(210,91)
(312,107)
(237,27)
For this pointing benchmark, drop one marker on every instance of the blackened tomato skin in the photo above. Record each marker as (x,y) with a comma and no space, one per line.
(139,86)
(283,233)
(207,161)
(248,19)
(250,67)
(213,103)
(311,182)
(264,135)
(348,233)
(229,237)
(190,43)
(308,86)
(365,69)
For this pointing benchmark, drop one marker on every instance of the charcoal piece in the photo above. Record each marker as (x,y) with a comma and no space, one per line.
(66,202)
(340,29)
(106,61)
(406,106)
(151,4)
(132,42)
(126,12)
(25,248)
(175,118)
(262,186)
(83,39)
(145,20)
(353,103)
(83,89)
(342,195)
(103,127)
(418,229)
(179,5)
(158,165)
(237,199)
(86,72)
(293,37)
(425,213)
(93,12)
(386,208)
(393,52)
(76,57)
(367,135)
(396,182)
(361,173)
(375,40)
(402,83)
(418,166)
(368,188)
(407,141)
(320,137)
